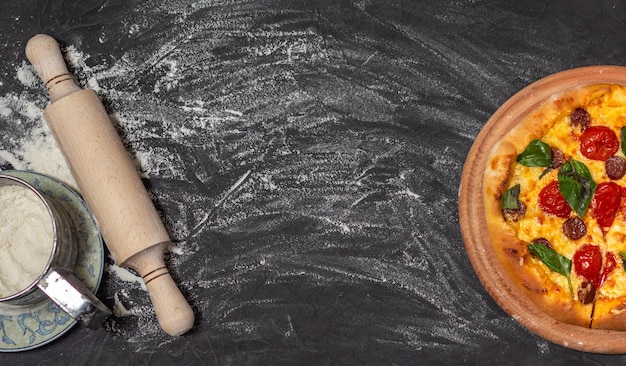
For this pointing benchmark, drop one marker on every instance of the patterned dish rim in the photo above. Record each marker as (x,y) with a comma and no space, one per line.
(30,327)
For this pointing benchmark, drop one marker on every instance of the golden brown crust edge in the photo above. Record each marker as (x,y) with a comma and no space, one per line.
(541,119)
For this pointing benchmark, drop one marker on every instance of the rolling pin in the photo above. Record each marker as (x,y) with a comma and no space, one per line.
(109,183)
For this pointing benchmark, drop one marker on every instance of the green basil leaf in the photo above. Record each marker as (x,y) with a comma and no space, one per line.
(623,136)
(623,255)
(555,261)
(576,185)
(509,198)
(537,153)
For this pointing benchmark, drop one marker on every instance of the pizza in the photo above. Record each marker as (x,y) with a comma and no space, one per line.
(554,191)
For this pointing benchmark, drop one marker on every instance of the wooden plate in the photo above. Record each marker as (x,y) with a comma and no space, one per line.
(473,223)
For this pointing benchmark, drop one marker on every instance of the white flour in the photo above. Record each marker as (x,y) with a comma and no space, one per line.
(38,150)
(138,84)
(26,238)
(41,155)
(210,93)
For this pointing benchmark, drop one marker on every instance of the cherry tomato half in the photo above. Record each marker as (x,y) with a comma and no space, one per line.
(598,143)
(588,262)
(606,202)
(552,202)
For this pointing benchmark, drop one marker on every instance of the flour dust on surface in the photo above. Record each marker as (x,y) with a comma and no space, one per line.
(292,166)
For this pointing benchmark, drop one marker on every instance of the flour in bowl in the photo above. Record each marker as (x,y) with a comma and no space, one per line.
(26,238)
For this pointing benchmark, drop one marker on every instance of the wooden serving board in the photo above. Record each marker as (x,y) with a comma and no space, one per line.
(474,226)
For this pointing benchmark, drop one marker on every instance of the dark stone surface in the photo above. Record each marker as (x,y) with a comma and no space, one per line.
(353,119)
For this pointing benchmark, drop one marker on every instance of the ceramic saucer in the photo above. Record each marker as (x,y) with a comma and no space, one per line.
(36,325)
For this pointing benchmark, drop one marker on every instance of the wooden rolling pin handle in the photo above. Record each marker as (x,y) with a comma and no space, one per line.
(174,314)
(45,55)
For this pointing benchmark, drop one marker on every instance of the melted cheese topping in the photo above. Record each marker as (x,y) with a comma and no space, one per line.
(607,110)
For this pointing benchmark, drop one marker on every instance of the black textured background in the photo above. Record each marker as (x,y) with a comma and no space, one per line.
(353,118)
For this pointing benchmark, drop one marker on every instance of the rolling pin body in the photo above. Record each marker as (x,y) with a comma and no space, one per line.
(105,174)
(109,182)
